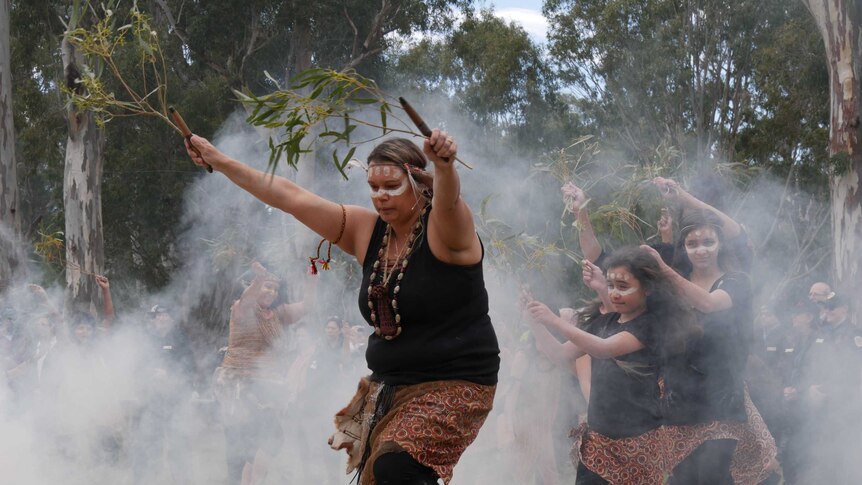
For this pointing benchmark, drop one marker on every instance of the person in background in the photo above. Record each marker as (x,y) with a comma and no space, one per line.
(797,433)
(159,426)
(249,383)
(820,292)
(829,389)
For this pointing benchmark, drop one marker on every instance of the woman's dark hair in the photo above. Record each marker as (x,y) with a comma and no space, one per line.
(398,150)
(691,220)
(677,322)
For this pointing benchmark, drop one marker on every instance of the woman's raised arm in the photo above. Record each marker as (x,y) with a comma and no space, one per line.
(452,234)
(322,216)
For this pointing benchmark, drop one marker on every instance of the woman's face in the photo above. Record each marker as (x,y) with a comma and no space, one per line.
(391,193)
(701,246)
(627,293)
(332,330)
(268,294)
(83,333)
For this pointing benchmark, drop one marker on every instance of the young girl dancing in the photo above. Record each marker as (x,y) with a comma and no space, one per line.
(646,325)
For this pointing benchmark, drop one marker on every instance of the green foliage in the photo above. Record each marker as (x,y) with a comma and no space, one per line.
(133,47)
(700,76)
(644,88)
(40,131)
(322,105)
(497,76)
(514,251)
(319,105)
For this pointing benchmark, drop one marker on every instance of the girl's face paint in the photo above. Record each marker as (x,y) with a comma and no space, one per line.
(625,291)
(701,245)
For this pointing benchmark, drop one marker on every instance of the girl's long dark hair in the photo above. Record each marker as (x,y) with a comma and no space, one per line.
(676,320)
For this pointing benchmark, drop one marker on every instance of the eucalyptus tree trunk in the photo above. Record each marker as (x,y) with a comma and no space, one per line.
(840,24)
(10,219)
(82,196)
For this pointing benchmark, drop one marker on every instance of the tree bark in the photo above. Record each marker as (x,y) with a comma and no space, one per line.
(10,219)
(82,197)
(840,24)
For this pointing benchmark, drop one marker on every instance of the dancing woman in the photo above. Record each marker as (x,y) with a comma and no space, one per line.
(248,383)
(434,354)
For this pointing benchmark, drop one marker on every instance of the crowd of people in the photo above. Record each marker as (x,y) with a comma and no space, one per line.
(668,375)
(135,395)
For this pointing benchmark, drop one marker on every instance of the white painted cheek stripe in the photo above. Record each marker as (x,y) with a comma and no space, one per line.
(623,292)
(701,249)
(375,194)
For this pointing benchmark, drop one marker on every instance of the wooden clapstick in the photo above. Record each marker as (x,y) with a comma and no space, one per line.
(187,133)
(414,116)
(417,120)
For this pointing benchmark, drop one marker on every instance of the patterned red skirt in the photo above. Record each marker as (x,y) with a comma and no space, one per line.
(649,458)
(434,422)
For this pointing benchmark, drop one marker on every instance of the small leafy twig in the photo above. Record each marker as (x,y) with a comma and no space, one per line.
(322,104)
(105,43)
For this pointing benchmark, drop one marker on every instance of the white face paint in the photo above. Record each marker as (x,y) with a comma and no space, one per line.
(702,248)
(391,191)
(618,284)
(618,276)
(617,292)
(701,242)
(387,171)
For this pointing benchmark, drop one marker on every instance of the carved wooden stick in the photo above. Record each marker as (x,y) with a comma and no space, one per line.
(187,133)
(420,123)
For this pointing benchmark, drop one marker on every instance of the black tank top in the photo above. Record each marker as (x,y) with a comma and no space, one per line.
(446,333)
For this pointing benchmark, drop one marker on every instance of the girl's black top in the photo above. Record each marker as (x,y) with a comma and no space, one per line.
(446,333)
(705,383)
(624,397)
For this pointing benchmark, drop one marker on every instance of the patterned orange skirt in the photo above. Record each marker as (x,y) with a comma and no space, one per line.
(434,422)
(649,458)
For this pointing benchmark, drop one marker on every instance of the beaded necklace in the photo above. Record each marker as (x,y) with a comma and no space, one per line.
(384,312)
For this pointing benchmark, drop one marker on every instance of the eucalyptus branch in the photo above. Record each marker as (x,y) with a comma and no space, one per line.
(104,43)
(316,100)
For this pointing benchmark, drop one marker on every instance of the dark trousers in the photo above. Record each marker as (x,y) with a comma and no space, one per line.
(401,469)
(708,464)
